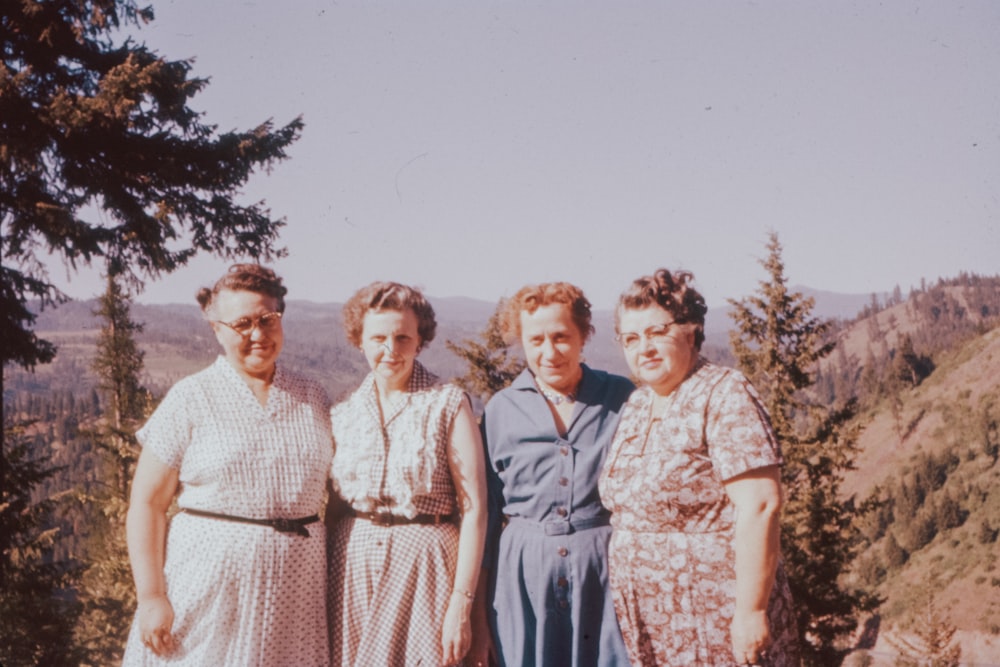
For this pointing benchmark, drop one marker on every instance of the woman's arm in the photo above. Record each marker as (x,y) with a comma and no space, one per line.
(756,496)
(153,489)
(465,458)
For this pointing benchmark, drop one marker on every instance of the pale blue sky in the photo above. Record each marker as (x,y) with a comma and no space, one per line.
(471,147)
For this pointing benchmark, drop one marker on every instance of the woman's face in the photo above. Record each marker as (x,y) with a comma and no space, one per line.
(390,341)
(658,352)
(552,346)
(255,351)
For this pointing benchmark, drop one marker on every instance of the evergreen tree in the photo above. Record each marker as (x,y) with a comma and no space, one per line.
(895,555)
(778,345)
(101,158)
(37,611)
(106,590)
(930,641)
(491,364)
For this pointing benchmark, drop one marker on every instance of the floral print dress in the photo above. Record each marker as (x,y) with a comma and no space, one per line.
(671,556)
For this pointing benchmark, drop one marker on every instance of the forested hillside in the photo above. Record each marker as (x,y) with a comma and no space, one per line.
(927,372)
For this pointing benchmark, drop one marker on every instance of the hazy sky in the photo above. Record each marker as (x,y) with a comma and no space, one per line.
(471,147)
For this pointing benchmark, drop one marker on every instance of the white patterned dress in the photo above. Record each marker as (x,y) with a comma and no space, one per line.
(389,586)
(243,594)
(672,561)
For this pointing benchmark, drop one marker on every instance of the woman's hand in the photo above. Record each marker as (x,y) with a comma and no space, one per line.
(482,653)
(156,619)
(751,636)
(456,634)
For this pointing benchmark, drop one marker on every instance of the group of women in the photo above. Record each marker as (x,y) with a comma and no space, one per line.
(583,522)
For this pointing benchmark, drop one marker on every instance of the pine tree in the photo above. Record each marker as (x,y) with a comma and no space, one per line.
(895,555)
(102,159)
(491,364)
(778,344)
(37,610)
(106,590)
(930,641)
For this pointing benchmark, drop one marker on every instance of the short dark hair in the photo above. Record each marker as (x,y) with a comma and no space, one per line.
(386,295)
(245,278)
(671,292)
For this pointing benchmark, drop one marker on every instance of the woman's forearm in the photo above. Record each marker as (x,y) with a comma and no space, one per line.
(153,489)
(757,498)
(146,530)
(756,547)
(472,533)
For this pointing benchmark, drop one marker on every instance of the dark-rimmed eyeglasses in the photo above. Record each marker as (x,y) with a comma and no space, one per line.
(657,335)
(244,326)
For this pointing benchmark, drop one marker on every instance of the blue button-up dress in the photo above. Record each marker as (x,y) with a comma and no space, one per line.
(551,604)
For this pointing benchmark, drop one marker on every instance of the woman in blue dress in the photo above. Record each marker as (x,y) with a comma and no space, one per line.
(546,439)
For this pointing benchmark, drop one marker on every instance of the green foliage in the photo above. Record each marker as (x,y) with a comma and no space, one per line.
(37,610)
(106,591)
(940,317)
(88,123)
(491,365)
(779,344)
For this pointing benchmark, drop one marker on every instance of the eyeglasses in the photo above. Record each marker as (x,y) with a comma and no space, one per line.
(244,326)
(656,335)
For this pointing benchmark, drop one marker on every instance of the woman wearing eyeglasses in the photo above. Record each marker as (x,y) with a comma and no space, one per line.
(244,447)
(408,510)
(547,436)
(692,480)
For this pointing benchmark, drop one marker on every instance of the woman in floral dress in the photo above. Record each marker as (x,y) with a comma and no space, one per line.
(693,483)
(244,447)
(407,514)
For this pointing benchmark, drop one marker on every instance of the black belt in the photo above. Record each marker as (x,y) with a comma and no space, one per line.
(389,519)
(296,526)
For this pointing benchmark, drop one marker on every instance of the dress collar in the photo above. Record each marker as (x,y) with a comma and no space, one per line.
(585,392)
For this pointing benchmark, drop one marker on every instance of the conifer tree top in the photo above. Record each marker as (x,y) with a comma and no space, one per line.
(102,160)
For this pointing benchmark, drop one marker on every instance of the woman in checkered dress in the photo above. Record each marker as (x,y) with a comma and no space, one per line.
(407,515)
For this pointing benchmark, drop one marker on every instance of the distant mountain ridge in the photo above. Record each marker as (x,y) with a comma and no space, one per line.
(177,340)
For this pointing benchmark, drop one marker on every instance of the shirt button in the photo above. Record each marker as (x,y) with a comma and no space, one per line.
(563,551)
(564,450)
(563,481)
(562,582)
(561,511)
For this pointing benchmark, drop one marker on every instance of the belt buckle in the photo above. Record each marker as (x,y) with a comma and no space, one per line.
(382,518)
(284,525)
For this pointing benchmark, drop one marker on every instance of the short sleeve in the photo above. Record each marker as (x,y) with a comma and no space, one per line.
(738,429)
(167,433)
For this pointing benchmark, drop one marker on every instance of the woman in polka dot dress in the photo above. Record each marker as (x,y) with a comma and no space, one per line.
(408,516)
(244,447)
